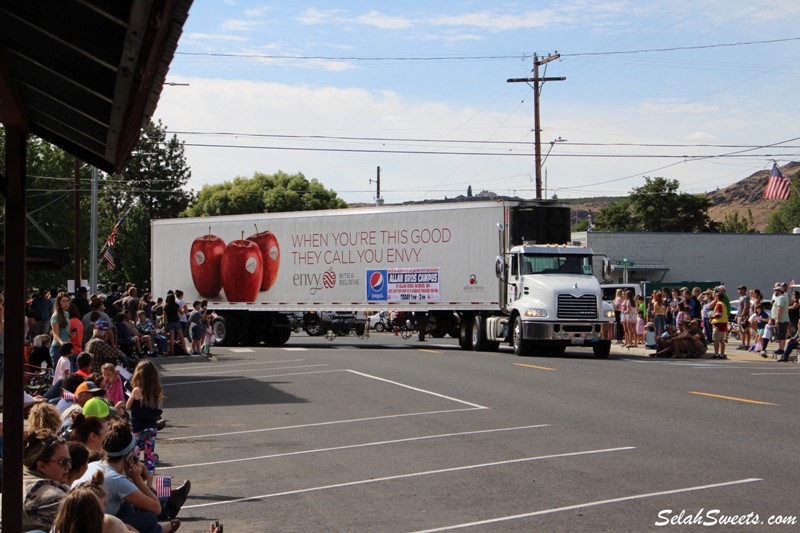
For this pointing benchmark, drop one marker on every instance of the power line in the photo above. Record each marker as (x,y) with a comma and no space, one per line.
(522,56)
(454,141)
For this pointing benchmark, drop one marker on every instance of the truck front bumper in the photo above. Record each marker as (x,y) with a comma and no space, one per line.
(573,333)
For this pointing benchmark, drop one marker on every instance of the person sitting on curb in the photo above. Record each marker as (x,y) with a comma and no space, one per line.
(688,343)
(791,345)
(102,352)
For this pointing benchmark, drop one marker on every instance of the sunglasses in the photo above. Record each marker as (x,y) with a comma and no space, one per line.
(63,463)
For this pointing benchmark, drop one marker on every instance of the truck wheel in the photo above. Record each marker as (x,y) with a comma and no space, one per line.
(602,349)
(465,335)
(226,331)
(478,337)
(521,346)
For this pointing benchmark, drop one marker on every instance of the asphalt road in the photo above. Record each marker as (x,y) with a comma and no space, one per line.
(393,435)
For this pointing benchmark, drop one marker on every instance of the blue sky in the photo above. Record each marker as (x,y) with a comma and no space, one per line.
(651,87)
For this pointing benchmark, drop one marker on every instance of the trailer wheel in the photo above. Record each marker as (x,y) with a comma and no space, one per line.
(465,334)
(602,349)
(521,346)
(226,331)
(277,332)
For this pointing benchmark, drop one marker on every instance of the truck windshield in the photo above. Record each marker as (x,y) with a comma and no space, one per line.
(555,264)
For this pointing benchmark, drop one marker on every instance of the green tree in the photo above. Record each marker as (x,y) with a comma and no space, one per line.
(657,206)
(264,193)
(51,207)
(151,186)
(736,224)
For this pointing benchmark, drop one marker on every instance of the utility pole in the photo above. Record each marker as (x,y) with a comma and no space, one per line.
(378,199)
(537,132)
(77,222)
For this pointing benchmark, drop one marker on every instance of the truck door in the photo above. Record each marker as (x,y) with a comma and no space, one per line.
(514,280)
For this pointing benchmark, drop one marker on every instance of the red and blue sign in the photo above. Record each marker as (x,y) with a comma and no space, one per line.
(377,286)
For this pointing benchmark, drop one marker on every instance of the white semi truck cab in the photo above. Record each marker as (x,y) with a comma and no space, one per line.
(550,300)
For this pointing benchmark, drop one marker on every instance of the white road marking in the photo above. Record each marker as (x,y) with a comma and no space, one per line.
(295,349)
(589,504)
(241,350)
(406,476)
(315,424)
(775,373)
(352,446)
(418,389)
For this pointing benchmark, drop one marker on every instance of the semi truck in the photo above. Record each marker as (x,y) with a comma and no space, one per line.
(489,272)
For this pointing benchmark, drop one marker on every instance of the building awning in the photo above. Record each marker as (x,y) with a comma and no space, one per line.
(86,75)
(639,266)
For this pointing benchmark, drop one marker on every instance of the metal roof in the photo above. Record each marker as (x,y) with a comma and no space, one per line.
(86,74)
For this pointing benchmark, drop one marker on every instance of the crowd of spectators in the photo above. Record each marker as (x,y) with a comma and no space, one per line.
(684,322)
(89,461)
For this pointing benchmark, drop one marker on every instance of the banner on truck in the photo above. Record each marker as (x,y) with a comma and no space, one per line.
(403,285)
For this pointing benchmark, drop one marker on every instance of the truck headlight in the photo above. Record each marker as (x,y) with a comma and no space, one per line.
(539,313)
(608,313)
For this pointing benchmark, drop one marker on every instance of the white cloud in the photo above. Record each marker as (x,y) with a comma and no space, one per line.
(492,21)
(199,38)
(258,11)
(379,20)
(674,105)
(316,16)
(701,136)
(239,25)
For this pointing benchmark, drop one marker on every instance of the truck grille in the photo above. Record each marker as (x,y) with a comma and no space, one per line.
(577,308)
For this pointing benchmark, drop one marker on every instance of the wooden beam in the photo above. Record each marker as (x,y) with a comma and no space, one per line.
(12,109)
(15,296)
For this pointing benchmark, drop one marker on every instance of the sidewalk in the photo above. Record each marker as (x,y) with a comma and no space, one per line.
(730,351)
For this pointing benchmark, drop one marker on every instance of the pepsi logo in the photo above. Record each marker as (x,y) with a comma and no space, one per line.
(376,281)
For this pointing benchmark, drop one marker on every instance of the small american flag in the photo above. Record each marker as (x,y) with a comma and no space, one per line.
(778,186)
(163,486)
(109,259)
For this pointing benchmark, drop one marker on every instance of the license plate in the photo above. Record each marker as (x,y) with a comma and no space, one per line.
(576,340)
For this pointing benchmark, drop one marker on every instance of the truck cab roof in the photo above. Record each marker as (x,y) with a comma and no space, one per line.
(552,249)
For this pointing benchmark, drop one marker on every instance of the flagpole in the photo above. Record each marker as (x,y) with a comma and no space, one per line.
(93,237)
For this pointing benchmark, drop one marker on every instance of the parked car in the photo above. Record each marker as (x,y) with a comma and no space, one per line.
(379,321)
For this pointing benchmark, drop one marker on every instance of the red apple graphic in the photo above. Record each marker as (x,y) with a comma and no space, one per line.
(242,270)
(271,253)
(206,259)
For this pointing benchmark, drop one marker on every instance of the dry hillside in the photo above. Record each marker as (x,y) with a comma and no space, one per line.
(737,198)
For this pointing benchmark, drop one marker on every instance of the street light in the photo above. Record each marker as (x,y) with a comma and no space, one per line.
(552,143)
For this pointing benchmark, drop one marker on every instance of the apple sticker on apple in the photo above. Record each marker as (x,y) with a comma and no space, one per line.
(206,258)
(242,270)
(270,253)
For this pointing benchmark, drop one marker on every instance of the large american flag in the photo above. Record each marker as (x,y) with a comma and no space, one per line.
(777,186)
(113,237)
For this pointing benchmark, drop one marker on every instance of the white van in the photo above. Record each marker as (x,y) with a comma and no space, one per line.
(610,290)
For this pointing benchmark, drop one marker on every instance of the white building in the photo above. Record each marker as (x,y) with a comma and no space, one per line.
(752,259)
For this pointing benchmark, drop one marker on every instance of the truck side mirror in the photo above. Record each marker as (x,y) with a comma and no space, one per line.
(606,269)
(499,266)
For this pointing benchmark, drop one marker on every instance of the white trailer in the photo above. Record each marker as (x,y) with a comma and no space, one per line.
(466,266)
